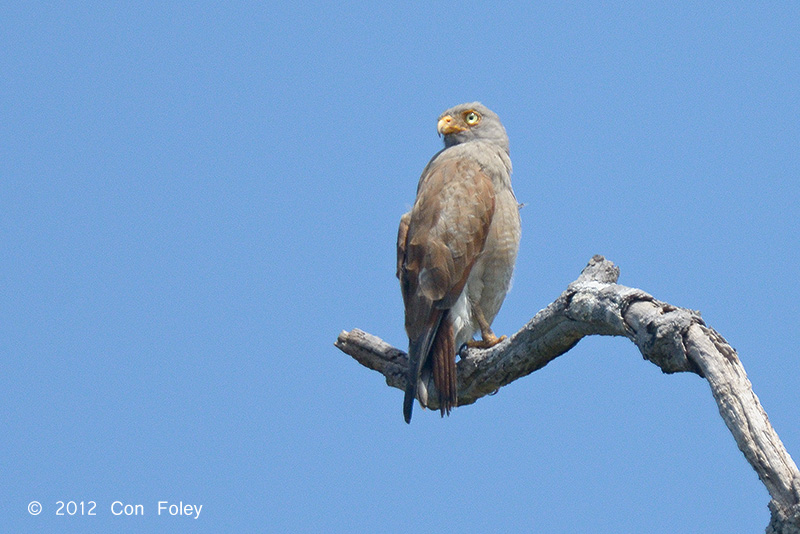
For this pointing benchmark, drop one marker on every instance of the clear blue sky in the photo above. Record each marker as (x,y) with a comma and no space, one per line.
(195,198)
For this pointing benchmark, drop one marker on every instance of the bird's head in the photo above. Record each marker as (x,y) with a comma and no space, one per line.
(471,122)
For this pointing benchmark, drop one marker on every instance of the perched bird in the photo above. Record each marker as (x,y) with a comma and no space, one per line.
(456,250)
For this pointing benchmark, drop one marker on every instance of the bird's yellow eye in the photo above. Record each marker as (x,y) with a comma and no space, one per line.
(472,118)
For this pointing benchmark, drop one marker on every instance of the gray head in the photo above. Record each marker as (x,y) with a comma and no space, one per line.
(472,122)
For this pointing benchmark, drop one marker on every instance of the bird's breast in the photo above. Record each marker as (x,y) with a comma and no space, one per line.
(499,255)
(490,278)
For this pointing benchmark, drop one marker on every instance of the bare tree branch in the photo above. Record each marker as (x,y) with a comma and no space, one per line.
(675,339)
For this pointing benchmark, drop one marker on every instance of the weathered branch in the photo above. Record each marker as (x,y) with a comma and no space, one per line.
(675,339)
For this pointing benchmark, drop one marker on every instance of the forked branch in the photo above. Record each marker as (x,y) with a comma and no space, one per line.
(675,339)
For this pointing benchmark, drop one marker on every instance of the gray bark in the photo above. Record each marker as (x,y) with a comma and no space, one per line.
(675,339)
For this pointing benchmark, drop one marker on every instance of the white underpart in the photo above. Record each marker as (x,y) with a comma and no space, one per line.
(422,387)
(461,315)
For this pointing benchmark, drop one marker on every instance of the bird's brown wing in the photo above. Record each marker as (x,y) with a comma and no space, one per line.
(402,233)
(438,243)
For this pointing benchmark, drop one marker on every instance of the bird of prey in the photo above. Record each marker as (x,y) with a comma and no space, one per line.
(456,250)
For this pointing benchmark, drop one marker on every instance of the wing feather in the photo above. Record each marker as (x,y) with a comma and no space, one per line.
(439,241)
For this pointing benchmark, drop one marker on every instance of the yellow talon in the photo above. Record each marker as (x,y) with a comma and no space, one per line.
(486,342)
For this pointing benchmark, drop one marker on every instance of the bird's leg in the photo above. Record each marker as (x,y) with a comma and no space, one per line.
(488,337)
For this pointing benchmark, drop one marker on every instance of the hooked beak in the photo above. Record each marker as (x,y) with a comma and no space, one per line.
(447,126)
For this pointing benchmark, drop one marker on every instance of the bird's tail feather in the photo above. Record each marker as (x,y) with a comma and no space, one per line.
(418,351)
(443,354)
(408,401)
